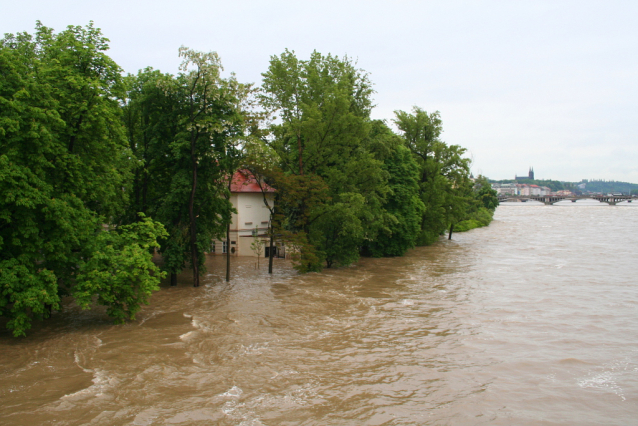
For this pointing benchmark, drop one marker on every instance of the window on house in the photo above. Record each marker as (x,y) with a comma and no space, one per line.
(212,247)
(224,247)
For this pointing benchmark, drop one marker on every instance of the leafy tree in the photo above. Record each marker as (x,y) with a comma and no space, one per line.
(119,270)
(63,163)
(323,105)
(338,231)
(484,193)
(257,245)
(150,117)
(480,210)
(303,199)
(444,184)
(186,126)
(403,206)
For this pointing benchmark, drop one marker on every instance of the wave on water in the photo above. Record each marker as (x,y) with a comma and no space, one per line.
(611,377)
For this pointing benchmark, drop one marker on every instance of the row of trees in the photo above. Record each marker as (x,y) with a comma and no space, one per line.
(98,170)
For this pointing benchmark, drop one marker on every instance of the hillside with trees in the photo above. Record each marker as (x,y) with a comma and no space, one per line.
(100,170)
(607,186)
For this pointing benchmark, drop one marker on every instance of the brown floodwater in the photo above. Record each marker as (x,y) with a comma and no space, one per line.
(531,321)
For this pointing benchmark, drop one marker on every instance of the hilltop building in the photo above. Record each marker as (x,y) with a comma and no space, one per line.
(529,176)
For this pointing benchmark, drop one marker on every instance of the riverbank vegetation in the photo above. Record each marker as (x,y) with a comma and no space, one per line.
(99,169)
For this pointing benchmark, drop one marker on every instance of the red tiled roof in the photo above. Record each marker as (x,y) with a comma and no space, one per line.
(244,181)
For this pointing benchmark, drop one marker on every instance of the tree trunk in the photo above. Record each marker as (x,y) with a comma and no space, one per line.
(173,279)
(191,212)
(228,234)
(270,252)
(228,252)
(451,229)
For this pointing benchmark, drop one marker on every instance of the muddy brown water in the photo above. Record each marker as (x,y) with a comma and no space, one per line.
(531,321)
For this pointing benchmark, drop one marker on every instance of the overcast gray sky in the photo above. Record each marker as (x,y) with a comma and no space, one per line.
(548,84)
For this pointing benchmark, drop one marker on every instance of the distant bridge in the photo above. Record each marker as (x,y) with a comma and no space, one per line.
(548,200)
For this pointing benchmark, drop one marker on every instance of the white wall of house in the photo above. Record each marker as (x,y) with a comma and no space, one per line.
(251,213)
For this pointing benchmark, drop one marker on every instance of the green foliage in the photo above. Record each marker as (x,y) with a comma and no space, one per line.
(479,218)
(403,206)
(324,104)
(444,184)
(300,199)
(183,130)
(119,269)
(484,193)
(608,187)
(96,169)
(338,231)
(26,292)
(481,211)
(63,163)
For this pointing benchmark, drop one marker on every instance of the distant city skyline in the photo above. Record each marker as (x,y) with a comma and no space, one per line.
(517,83)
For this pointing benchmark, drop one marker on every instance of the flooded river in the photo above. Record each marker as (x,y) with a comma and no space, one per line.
(531,321)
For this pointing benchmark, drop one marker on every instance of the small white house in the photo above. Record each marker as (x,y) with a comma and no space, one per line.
(252,217)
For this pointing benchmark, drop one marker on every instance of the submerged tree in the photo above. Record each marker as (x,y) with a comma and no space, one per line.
(401,224)
(63,163)
(186,128)
(444,173)
(323,105)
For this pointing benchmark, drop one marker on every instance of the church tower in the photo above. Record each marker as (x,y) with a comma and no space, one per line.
(531,173)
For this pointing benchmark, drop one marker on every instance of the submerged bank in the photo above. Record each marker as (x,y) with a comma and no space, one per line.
(521,323)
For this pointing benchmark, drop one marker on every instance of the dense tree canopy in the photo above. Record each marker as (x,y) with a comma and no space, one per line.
(182,129)
(444,183)
(323,106)
(98,170)
(63,162)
